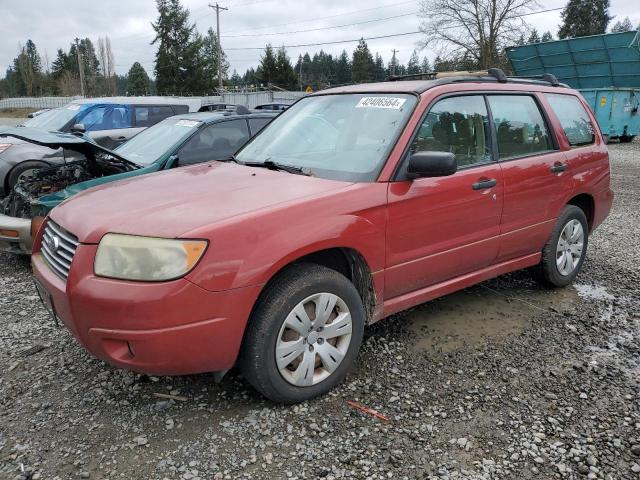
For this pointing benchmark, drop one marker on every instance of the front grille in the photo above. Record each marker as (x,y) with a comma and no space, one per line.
(58,248)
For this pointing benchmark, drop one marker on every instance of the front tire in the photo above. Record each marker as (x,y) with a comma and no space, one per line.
(24,168)
(564,253)
(304,334)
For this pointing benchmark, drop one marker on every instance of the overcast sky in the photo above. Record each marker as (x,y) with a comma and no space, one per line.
(54,24)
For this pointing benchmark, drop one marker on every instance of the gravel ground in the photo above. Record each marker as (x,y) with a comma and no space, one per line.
(502,380)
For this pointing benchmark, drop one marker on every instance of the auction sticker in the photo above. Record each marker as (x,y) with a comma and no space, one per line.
(187,123)
(381,102)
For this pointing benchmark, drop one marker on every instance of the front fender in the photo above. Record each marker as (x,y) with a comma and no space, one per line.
(251,251)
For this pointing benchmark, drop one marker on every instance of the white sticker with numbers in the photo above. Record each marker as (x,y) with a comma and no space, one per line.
(381,102)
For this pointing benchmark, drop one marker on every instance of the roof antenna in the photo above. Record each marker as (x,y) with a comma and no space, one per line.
(242,110)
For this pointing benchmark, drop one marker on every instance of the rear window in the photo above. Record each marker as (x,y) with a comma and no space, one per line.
(573,117)
(520,126)
(147,115)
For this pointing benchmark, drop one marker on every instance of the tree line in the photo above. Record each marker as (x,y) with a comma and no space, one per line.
(186,61)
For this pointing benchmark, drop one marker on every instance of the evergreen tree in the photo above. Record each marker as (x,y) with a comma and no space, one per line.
(267,67)
(547,37)
(534,37)
(521,40)
(413,66)
(581,18)
(210,59)
(362,63)
(425,66)
(137,80)
(379,72)
(28,69)
(285,77)
(343,68)
(622,26)
(176,49)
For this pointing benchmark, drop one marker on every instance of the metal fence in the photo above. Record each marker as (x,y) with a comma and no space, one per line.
(36,102)
(248,99)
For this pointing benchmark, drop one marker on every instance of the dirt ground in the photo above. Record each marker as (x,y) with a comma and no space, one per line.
(504,380)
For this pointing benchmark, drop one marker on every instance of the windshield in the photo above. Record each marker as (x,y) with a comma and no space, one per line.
(55,119)
(342,137)
(154,142)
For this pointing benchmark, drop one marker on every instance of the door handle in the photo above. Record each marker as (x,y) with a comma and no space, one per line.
(558,167)
(484,184)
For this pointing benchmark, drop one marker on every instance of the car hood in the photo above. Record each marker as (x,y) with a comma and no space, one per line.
(54,140)
(172,203)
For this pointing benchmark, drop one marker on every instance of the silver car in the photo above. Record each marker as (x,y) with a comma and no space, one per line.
(109,121)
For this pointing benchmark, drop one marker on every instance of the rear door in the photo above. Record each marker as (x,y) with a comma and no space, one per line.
(536,173)
(441,228)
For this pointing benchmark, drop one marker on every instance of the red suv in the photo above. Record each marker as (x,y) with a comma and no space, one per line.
(355,203)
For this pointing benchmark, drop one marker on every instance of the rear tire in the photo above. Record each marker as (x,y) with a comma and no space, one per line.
(292,350)
(564,253)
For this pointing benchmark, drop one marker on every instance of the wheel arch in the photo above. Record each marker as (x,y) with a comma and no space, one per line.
(586,203)
(345,260)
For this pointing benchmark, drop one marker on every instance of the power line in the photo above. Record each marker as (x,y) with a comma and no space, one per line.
(379,36)
(321,28)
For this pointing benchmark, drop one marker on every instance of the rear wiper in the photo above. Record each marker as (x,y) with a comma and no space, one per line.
(271,165)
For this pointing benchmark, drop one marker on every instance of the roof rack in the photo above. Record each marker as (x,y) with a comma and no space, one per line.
(496,73)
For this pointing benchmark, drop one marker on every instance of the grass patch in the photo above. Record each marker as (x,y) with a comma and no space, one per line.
(16,112)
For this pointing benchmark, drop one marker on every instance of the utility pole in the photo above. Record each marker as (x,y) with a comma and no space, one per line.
(217,8)
(80,69)
(301,60)
(393,62)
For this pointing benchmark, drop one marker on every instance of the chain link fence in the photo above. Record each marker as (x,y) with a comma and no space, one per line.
(247,99)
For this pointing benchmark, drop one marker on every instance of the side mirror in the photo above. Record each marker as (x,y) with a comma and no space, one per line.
(431,164)
(78,128)
(172,162)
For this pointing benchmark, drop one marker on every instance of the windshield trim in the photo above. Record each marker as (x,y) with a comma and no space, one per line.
(375,174)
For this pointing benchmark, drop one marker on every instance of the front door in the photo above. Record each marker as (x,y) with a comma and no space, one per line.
(441,228)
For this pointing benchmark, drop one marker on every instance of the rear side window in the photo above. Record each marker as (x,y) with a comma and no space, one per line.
(573,117)
(215,142)
(520,126)
(459,125)
(257,124)
(148,115)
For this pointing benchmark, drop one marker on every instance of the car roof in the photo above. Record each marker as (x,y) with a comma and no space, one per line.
(414,84)
(221,115)
(143,100)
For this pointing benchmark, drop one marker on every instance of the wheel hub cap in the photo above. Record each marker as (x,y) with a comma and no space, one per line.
(313,339)
(569,248)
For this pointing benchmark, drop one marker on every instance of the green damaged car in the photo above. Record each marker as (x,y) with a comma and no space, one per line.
(177,141)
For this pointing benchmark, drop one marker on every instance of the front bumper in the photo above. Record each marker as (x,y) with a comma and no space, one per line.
(23,242)
(164,328)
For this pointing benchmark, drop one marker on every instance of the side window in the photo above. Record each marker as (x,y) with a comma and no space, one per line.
(147,116)
(105,117)
(574,119)
(458,125)
(180,109)
(215,142)
(520,126)
(257,124)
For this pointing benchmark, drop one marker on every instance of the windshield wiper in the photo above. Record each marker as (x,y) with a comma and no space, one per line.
(230,158)
(271,165)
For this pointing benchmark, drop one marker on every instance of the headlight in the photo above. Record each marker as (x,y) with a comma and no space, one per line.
(129,257)
(4,146)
